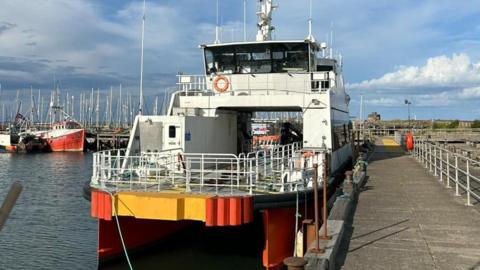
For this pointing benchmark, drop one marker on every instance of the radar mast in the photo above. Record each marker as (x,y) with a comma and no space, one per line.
(264,14)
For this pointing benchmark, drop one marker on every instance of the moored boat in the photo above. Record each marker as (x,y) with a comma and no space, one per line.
(65,136)
(196,164)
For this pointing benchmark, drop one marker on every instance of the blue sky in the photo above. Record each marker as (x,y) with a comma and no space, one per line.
(427,51)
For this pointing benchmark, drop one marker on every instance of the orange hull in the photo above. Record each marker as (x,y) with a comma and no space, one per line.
(71,141)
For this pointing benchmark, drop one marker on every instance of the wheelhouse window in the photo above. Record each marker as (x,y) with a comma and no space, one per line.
(257,58)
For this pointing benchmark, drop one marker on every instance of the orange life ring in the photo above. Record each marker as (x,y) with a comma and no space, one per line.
(221,89)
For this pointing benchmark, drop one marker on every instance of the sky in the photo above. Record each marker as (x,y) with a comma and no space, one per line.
(426,51)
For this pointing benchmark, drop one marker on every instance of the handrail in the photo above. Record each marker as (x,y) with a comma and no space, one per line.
(449,165)
(262,170)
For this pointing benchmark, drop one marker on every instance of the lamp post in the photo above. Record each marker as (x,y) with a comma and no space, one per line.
(408,103)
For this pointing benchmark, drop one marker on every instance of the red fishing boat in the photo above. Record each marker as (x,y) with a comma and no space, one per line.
(65,136)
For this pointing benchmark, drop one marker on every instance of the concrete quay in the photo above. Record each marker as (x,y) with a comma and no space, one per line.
(406,219)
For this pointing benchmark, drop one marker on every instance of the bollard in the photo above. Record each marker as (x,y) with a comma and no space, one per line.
(295,263)
(348,177)
(348,185)
(9,202)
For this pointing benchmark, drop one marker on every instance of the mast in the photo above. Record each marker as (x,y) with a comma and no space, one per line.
(310,35)
(155,106)
(120,107)
(244,20)
(72,107)
(39,106)
(217,27)
(110,118)
(97,109)
(140,109)
(264,14)
(32,106)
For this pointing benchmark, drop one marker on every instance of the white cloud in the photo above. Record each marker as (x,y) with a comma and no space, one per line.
(468,93)
(441,71)
(76,35)
(384,102)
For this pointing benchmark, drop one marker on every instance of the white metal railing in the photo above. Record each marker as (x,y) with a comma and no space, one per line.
(267,169)
(450,167)
(192,83)
(284,85)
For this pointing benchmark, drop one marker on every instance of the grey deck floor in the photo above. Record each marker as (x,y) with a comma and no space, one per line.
(406,219)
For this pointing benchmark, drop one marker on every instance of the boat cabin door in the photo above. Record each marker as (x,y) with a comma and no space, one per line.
(172,136)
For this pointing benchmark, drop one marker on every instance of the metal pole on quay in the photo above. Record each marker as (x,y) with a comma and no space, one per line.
(9,202)
(324,206)
(317,248)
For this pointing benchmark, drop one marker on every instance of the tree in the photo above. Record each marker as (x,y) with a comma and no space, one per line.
(454,124)
(476,124)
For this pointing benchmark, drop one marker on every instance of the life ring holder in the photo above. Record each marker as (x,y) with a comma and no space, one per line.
(221,89)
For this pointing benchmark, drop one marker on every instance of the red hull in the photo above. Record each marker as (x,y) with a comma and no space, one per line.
(278,226)
(71,141)
(135,232)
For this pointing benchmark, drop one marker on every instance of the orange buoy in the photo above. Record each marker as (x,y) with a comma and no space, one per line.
(409,141)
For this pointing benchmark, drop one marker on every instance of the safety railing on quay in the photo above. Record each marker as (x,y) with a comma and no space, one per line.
(453,168)
(268,169)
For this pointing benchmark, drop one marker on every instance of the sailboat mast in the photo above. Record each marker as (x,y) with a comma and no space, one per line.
(140,109)
(97,110)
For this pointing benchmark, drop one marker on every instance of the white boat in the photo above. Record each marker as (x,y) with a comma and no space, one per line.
(190,165)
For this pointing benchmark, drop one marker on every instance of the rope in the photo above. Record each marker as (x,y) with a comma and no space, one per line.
(120,233)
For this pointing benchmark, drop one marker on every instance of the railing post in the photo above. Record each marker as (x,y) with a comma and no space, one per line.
(441,164)
(109,165)
(430,156)
(456,176)
(94,173)
(102,164)
(425,156)
(435,159)
(448,169)
(264,163)
(468,183)
(201,171)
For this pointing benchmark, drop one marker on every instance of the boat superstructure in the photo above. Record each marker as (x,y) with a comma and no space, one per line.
(197,163)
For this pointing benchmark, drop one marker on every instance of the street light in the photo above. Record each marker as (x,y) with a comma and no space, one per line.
(408,103)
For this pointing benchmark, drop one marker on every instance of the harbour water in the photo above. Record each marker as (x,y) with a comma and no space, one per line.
(50,226)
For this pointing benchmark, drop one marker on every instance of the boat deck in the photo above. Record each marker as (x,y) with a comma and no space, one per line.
(406,219)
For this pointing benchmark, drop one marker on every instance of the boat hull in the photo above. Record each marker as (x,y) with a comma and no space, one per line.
(69,140)
(275,212)
(136,233)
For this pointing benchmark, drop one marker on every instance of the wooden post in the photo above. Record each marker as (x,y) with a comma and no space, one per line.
(9,202)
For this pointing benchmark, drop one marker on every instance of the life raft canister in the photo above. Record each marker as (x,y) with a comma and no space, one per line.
(409,141)
(221,84)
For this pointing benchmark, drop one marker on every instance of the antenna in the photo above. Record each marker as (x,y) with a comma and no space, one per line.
(331,39)
(310,36)
(140,109)
(217,27)
(244,20)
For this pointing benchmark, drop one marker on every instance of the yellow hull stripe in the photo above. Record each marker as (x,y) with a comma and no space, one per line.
(160,206)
